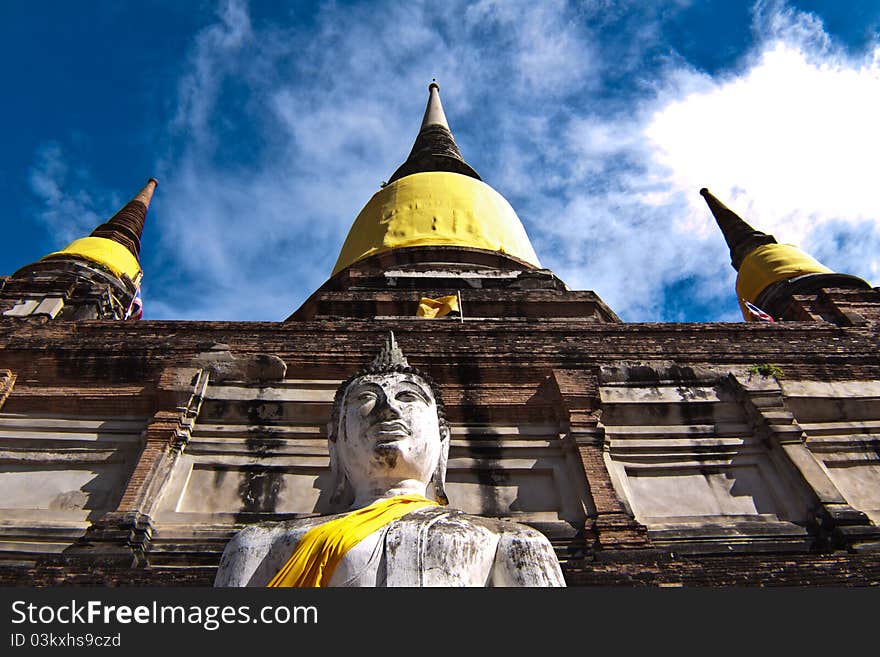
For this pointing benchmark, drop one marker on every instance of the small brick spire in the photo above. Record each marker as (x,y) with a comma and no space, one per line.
(127,225)
(435,148)
(741,238)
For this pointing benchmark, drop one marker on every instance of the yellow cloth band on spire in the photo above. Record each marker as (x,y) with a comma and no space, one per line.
(436,208)
(768,264)
(431,308)
(115,257)
(321,548)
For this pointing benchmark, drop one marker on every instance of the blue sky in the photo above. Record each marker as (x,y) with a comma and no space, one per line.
(270,124)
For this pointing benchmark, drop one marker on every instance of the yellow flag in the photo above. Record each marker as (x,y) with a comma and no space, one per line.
(321,548)
(433,308)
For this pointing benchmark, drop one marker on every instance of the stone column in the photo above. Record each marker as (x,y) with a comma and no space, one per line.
(613,526)
(7,382)
(122,537)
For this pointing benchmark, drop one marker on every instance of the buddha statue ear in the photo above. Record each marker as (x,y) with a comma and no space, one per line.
(438,481)
(342,492)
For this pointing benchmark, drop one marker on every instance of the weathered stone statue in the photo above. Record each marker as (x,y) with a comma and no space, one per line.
(389,443)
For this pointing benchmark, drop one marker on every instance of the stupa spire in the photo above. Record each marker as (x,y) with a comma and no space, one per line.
(434,201)
(434,114)
(435,148)
(771,275)
(741,238)
(126,226)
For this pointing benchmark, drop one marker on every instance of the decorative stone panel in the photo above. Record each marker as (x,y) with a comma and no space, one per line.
(685,457)
(60,474)
(841,420)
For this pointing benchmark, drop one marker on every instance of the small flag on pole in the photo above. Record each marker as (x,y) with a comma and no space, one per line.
(433,308)
(136,309)
(756,312)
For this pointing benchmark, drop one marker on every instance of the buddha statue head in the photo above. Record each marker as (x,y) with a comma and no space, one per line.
(388,430)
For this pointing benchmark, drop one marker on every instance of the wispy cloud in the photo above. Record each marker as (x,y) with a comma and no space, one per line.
(214,56)
(71,204)
(328,114)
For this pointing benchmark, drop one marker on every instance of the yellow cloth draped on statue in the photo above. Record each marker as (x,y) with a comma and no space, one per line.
(320,549)
(432,308)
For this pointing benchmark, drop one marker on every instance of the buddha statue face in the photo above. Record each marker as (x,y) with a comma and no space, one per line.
(389,430)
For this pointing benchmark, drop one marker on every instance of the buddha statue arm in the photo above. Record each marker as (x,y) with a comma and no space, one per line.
(524,557)
(242,556)
(255,554)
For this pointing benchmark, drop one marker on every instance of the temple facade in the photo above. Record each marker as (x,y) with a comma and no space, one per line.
(650,454)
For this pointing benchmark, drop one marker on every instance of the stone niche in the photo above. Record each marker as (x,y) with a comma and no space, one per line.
(255,452)
(59,474)
(519,471)
(683,455)
(259,453)
(842,423)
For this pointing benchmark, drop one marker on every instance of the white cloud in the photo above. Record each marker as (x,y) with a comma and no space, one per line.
(788,140)
(608,191)
(775,22)
(792,140)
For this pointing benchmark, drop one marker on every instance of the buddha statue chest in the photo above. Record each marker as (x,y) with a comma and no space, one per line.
(428,547)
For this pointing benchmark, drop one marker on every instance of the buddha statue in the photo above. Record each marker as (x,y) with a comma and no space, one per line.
(389,443)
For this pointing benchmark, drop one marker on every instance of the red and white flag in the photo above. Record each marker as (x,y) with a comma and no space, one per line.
(136,309)
(756,312)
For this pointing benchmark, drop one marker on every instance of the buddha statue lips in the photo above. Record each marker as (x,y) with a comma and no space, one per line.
(385,433)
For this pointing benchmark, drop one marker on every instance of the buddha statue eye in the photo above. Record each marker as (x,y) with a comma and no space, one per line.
(410,396)
(365,397)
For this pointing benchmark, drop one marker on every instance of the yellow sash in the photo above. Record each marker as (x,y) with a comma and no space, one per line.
(441,307)
(321,548)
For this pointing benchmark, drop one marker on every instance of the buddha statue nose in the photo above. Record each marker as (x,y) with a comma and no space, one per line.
(386,406)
